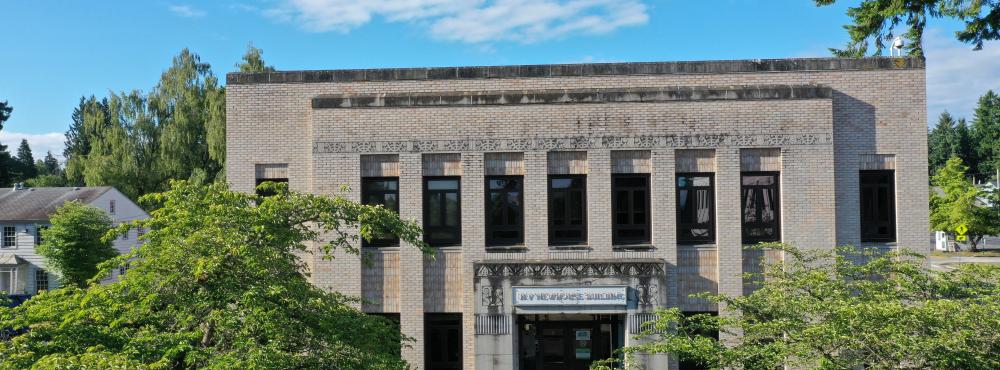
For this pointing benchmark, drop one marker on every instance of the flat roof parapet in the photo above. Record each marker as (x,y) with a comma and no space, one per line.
(579,70)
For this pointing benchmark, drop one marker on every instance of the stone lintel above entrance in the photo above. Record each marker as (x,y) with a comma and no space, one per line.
(569,268)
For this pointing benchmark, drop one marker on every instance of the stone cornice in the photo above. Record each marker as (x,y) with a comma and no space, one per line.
(573,96)
(578,70)
(569,268)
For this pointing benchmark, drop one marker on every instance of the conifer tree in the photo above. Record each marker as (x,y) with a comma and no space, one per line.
(25,162)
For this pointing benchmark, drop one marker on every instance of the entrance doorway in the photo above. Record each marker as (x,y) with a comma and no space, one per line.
(567,342)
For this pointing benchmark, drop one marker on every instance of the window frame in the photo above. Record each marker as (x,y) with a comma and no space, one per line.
(11,272)
(5,235)
(582,228)
(683,239)
(38,233)
(365,192)
(111,206)
(437,323)
(777,207)
(615,226)
(492,242)
(39,274)
(867,224)
(457,229)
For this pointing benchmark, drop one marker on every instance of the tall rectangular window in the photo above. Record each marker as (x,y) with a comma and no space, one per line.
(567,209)
(111,207)
(695,208)
(630,198)
(9,236)
(41,280)
(504,210)
(878,206)
(381,191)
(39,229)
(443,341)
(8,276)
(760,207)
(442,211)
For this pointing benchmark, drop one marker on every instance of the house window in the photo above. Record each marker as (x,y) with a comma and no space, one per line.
(382,191)
(8,275)
(760,207)
(504,210)
(630,197)
(878,206)
(695,208)
(443,341)
(111,207)
(9,236)
(442,211)
(567,209)
(124,268)
(41,280)
(125,235)
(268,193)
(39,229)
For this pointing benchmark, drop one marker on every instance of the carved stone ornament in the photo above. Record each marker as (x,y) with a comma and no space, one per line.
(570,268)
(575,143)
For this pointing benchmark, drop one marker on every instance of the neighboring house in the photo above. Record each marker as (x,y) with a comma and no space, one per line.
(25,211)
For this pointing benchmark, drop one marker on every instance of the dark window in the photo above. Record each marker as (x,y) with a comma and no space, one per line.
(267,193)
(38,233)
(381,191)
(9,236)
(760,207)
(878,206)
(41,280)
(111,207)
(567,209)
(630,198)
(443,341)
(695,208)
(442,211)
(504,210)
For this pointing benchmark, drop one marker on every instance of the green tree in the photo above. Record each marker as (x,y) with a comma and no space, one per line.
(89,118)
(6,162)
(45,181)
(942,142)
(986,135)
(958,202)
(821,309)
(49,165)
(25,162)
(874,21)
(73,245)
(253,61)
(218,283)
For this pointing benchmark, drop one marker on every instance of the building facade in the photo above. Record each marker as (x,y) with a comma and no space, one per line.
(24,212)
(568,202)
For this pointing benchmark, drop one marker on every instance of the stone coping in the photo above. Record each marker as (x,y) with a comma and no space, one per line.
(578,70)
(572,96)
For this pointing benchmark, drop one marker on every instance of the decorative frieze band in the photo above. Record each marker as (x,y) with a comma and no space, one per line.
(574,143)
(568,268)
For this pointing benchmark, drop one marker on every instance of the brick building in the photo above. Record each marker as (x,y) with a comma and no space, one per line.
(568,202)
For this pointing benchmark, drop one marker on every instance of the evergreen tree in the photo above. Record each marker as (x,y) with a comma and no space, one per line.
(986,135)
(873,21)
(964,149)
(25,162)
(941,142)
(48,166)
(90,118)
(6,161)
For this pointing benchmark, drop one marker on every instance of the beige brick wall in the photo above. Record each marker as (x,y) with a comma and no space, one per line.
(878,111)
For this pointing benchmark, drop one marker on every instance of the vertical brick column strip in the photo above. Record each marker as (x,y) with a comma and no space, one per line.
(599,203)
(411,260)
(473,240)
(728,226)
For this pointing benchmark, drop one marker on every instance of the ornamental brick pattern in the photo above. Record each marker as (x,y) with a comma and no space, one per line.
(827,117)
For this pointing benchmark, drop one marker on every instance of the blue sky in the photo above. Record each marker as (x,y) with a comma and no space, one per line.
(57,51)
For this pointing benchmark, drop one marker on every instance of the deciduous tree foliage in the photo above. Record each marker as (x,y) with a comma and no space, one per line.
(218,283)
(73,245)
(253,61)
(823,309)
(956,201)
(874,21)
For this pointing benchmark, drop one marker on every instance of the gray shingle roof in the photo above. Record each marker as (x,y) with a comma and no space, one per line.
(36,204)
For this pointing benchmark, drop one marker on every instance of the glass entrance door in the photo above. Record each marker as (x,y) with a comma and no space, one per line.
(566,344)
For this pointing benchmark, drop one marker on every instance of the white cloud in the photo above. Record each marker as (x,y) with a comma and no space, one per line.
(470,21)
(957,76)
(40,143)
(186,11)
